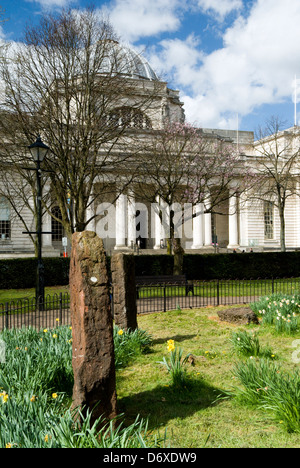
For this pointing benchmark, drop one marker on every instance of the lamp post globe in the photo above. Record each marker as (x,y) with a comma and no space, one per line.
(38,150)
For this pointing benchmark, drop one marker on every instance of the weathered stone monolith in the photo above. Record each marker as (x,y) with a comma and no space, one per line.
(92,328)
(124,291)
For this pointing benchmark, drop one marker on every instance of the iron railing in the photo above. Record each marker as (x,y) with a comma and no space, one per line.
(150,298)
(25,312)
(154,298)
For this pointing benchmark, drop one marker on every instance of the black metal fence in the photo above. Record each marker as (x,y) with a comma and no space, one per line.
(154,298)
(150,298)
(25,312)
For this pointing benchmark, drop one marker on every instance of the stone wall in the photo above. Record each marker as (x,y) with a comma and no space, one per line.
(124,291)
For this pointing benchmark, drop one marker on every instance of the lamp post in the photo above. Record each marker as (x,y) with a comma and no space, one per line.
(39,151)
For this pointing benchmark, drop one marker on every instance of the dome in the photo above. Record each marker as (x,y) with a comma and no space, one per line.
(128,62)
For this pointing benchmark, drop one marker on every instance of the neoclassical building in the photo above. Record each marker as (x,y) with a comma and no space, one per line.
(131,223)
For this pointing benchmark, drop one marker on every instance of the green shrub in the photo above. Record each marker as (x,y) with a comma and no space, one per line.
(175,365)
(128,344)
(280,311)
(267,387)
(20,273)
(247,344)
(36,382)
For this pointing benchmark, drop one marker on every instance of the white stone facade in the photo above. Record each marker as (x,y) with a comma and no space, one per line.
(131,224)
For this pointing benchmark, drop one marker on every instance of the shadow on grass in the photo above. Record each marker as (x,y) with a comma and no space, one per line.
(164,403)
(176,338)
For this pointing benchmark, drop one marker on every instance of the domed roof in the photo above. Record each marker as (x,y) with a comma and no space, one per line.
(127,61)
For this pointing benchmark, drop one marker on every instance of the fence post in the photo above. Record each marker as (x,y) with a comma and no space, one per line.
(218,292)
(165,299)
(272,285)
(60,308)
(6,314)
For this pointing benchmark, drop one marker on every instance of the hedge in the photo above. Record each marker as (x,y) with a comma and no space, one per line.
(242,266)
(21,273)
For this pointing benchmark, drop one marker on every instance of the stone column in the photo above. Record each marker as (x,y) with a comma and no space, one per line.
(233,223)
(124,291)
(298,214)
(198,227)
(207,222)
(121,208)
(243,220)
(92,328)
(165,220)
(47,227)
(207,229)
(131,220)
(91,226)
(157,224)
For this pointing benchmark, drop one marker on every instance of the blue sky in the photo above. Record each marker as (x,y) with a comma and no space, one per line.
(232,60)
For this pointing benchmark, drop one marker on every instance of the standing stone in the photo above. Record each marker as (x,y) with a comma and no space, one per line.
(92,328)
(124,291)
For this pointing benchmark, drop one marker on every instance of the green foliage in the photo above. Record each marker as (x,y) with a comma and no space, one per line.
(242,266)
(280,311)
(37,361)
(20,273)
(154,265)
(129,344)
(36,382)
(247,344)
(269,388)
(113,434)
(175,365)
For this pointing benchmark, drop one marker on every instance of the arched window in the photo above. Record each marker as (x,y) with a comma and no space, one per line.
(5,224)
(130,118)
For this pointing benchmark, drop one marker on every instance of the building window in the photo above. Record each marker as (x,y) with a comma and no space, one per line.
(5,227)
(129,118)
(269,220)
(56,226)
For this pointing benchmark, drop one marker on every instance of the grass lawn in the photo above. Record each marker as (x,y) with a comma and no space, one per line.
(225,288)
(195,417)
(8,295)
(201,414)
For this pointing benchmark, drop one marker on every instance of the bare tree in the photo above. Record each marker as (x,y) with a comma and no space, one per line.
(182,164)
(277,167)
(69,83)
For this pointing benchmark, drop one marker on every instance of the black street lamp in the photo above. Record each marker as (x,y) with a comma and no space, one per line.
(39,151)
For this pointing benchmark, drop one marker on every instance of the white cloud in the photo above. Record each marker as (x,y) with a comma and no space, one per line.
(134,19)
(256,65)
(179,59)
(221,8)
(50,3)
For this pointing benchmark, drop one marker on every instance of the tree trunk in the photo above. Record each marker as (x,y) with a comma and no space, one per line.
(282,229)
(178,257)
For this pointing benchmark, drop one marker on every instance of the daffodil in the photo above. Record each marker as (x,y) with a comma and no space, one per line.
(171,345)
(4,397)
